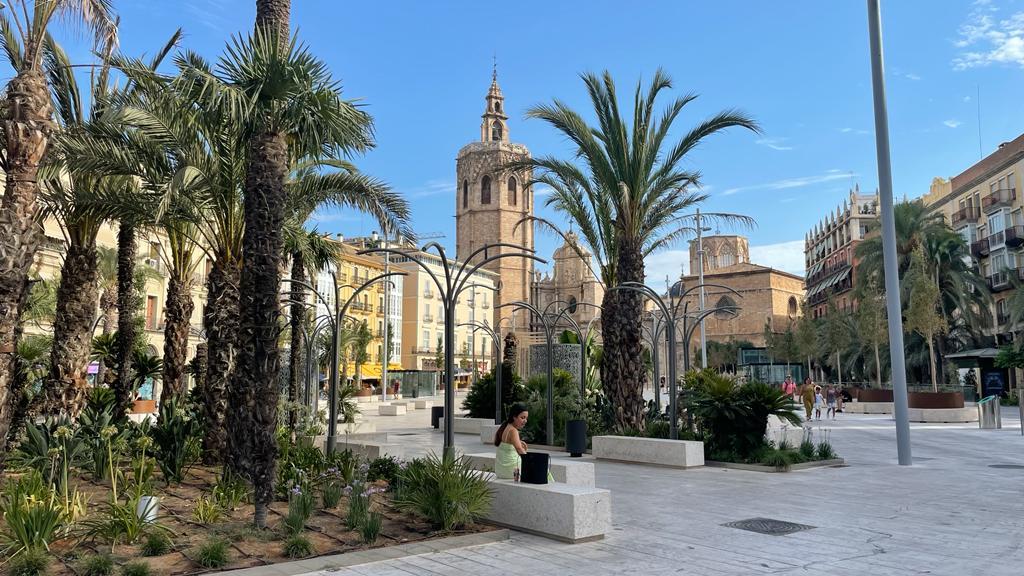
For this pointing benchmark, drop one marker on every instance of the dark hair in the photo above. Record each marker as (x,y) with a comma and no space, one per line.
(514,411)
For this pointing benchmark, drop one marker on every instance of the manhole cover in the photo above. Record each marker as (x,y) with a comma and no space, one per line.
(1007,466)
(403,433)
(768,526)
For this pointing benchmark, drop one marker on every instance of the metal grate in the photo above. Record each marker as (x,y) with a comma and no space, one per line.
(768,526)
(1007,466)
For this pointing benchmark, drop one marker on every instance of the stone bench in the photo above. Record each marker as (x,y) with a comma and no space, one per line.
(560,511)
(409,405)
(363,427)
(466,425)
(487,432)
(657,451)
(563,469)
(391,410)
(369,450)
(868,407)
(423,404)
(367,399)
(965,414)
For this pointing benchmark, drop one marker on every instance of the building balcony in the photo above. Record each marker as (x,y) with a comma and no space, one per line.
(422,350)
(969,214)
(428,318)
(980,248)
(363,307)
(428,294)
(998,199)
(996,240)
(1002,318)
(1014,237)
(999,281)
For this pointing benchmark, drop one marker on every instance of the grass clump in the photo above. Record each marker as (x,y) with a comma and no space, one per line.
(446,491)
(298,546)
(826,452)
(97,565)
(213,554)
(137,568)
(156,544)
(781,460)
(370,528)
(207,510)
(807,450)
(31,562)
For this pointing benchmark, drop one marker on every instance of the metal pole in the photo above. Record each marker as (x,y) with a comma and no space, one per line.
(449,371)
(583,366)
(700,280)
(498,369)
(387,355)
(892,279)
(550,416)
(472,333)
(655,345)
(673,393)
(332,408)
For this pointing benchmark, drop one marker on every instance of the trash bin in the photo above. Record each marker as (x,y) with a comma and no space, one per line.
(436,413)
(988,413)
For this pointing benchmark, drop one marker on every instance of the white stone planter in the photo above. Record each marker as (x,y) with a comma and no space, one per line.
(965,414)
(466,425)
(391,410)
(370,450)
(423,404)
(657,451)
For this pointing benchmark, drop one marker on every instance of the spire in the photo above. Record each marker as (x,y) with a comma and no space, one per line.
(494,128)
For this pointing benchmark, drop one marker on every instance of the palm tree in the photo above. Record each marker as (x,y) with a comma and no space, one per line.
(627,195)
(287,106)
(27,127)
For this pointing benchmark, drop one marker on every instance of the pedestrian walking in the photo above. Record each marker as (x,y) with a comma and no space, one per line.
(819,402)
(789,387)
(807,393)
(831,397)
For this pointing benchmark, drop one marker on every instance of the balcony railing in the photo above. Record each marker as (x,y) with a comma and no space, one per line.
(363,307)
(428,294)
(998,198)
(428,318)
(996,240)
(999,281)
(1015,236)
(980,247)
(423,350)
(966,214)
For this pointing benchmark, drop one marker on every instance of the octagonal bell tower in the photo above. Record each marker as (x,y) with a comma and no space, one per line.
(489,202)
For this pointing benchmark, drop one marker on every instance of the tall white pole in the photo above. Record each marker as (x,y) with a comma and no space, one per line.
(892,280)
(387,320)
(700,282)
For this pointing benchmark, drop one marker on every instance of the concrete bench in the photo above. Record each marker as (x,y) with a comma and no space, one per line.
(391,410)
(363,427)
(563,469)
(369,450)
(779,431)
(560,511)
(466,425)
(487,432)
(868,407)
(423,404)
(658,451)
(368,399)
(409,405)
(965,414)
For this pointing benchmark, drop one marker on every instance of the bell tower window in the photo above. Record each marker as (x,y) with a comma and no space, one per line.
(496,131)
(485,190)
(512,191)
(465,193)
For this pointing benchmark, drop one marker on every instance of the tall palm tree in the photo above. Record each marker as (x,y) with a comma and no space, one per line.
(27,127)
(627,191)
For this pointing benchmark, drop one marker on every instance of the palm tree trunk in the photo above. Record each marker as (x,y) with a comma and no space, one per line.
(275,16)
(27,128)
(177,319)
(878,367)
(65,388)
(108,311)
(931,363)
(127,302)
(221,321)
(258,355)
(622,370)
(296,358)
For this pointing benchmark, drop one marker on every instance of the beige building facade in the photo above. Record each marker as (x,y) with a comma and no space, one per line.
(571,284)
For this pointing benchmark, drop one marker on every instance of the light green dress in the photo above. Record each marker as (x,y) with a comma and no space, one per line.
(506,461)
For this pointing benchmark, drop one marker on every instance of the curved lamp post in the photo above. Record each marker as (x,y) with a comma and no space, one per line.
(654,332)
(549,417)
(454,280)
(497,364)
(581,335)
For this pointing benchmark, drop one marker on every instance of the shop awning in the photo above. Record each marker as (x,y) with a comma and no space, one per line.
(373,371)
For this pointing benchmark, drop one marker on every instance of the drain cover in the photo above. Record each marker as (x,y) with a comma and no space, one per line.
(403,433)
(768,526)
(1007,466)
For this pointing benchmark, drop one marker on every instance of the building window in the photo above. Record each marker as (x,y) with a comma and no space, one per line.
(512,191)
(496,131)
(725,302)
(426,339)
(465,193)
(485,190)
(151,312)
(792,306)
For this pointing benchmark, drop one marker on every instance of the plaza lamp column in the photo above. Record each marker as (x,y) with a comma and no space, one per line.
(894,307)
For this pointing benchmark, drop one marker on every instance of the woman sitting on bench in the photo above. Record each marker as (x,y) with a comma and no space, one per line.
(508,459)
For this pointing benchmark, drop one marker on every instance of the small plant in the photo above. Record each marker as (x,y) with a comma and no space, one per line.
(384,468)
(29,563)
(136,568)
(447,491)
(156,544)
(300,508)
(784,445)
(120,523)
(778,459)
(32,513)
(176,435)
(213,554)
(807,449)
(358,506)
(298,546)
(825,451)
(331,489)
(97,565)
(370,527)
(207,510)
(230,492)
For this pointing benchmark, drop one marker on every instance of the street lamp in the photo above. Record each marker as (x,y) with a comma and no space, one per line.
(497,364)
(548,327)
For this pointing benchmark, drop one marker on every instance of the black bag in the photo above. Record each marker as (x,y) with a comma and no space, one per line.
(535,468)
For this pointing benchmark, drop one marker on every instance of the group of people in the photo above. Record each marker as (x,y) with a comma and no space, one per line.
(814,398)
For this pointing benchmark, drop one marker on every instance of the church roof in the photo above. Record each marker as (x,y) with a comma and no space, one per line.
(566,249)
(744,267)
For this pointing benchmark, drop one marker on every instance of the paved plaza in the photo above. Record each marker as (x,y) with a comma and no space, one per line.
(951,513)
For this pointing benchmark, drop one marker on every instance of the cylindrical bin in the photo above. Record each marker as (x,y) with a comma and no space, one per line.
(436,413)
(988,413)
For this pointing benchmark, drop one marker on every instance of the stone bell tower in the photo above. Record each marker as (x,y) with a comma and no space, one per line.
(491,201)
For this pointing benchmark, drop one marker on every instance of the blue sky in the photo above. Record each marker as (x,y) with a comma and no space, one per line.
(799,67)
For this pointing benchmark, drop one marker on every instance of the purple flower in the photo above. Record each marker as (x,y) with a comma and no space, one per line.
(297,490)
(347,490)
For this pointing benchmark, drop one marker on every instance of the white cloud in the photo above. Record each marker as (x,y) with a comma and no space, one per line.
(432,188)
(788,183)
(774,143)
(985,39)
(853,131)
(666,264)
(785,256)
(911,76)
(952,123)
(967,98)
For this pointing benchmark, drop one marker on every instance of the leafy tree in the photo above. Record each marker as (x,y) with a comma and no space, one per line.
(627,191)
(872,323)
(806,336)
(439,355)
(837,336)
(923,315)
(360,342)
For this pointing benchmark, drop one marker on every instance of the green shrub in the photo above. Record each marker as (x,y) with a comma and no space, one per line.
(331,490)
(447,491)
(156,544)
(213,554)
(230,492)
(825,452)
(358,507)
(778,459)
(566,402)
(97,565)
(370,527)
(207,510)
(29,563)
(177,437)
(120,523)
(32,513)
(136,568)
(101,446)
(298,546)
(35,449)
(479,401)
(384,468)
(300,508)
(807,449)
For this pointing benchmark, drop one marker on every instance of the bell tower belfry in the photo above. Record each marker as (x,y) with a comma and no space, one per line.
(490,201)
